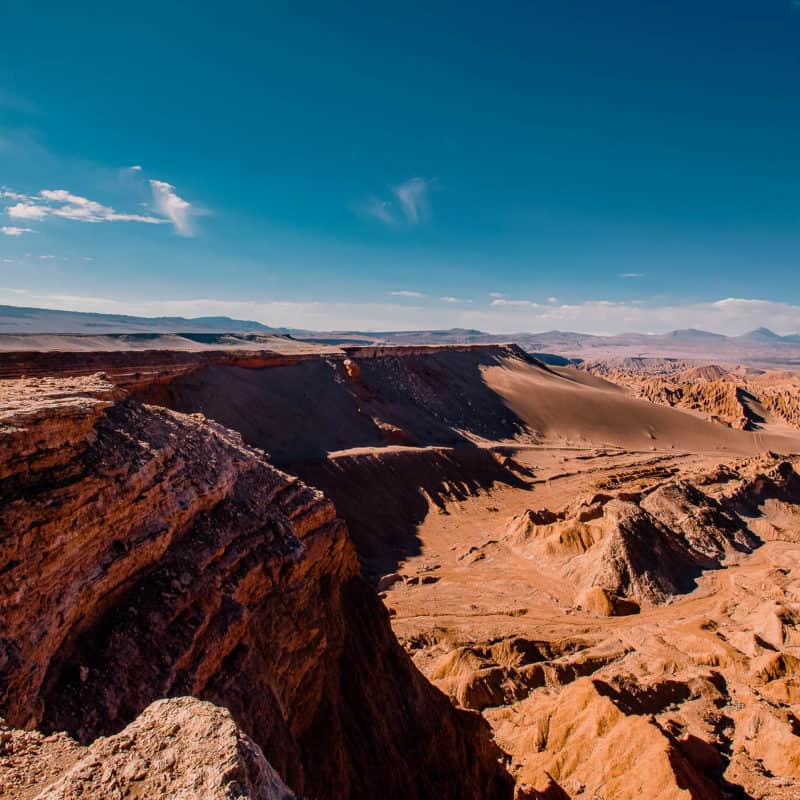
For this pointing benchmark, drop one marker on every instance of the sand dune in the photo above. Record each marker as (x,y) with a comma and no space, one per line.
(563,404)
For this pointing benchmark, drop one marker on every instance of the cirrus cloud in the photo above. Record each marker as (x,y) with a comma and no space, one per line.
(412,195)
(409,202)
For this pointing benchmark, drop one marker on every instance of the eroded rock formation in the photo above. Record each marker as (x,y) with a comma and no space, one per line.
(736,396)
(654,652)
(147,554)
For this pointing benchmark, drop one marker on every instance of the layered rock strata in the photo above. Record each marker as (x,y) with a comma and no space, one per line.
(147,553)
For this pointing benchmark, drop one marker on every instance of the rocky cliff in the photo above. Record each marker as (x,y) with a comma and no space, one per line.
(147,553)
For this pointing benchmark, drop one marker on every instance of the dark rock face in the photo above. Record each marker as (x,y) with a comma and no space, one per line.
(146,553)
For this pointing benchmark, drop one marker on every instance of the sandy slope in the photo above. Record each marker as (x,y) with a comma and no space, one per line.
(446,397)
(563,403)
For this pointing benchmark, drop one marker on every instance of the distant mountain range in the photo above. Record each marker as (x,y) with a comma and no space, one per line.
(761,347)
(17,319)
(758,347)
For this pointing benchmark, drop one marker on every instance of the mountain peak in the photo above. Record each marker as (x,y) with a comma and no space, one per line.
(761,334)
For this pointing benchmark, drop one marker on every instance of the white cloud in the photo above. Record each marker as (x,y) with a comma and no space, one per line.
(12,230)
(413,198)
(552,300)
(449,299)
(135,168)
(500,301)
(496,295)
(632,275)
(47,258)
(26,211)
(9,195)
(175,208)
(73,206)
(65,204)
(407,293)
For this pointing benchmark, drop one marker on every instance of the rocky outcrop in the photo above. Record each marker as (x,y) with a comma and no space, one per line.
(643,549)
(181,748)
(147,554)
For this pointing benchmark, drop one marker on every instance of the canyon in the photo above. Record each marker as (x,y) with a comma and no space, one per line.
(337,571)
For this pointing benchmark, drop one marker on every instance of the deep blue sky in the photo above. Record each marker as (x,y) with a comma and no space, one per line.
(332,154)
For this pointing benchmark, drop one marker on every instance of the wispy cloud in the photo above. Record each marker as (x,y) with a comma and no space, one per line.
(175,208)
(65,204)
(496,295)
(448,299)
(407,293)
(13,230)
(502,301)
(409,203)
(73,206)
(412,195)
(135,168)
(9,195)
(552,300)
(62,203)
(379,209)
(632,275)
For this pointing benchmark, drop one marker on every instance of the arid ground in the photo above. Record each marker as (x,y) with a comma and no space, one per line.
(493,577)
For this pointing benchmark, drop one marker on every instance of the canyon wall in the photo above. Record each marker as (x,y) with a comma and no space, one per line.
(147,554)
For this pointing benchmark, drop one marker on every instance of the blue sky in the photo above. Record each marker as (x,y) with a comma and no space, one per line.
(508,166)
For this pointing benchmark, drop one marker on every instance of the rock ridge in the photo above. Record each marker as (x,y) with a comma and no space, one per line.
(148,553)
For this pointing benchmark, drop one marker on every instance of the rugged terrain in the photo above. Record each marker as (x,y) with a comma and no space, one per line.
(149,554)
(605,585)
(737,396)
(635,611)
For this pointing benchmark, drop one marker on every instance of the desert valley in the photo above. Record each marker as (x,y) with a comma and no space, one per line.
(399,401)
(276,567)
